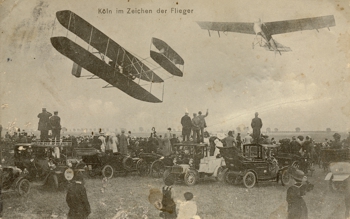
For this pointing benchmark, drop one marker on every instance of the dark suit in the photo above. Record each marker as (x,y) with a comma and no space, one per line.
(256,126)
(186,123)
(297,208)
(44,125)
(79,206)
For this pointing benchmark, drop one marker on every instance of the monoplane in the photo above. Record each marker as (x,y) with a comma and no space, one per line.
(113,64)
(265,30)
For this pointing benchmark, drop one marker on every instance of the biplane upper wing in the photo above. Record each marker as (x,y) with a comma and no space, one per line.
(105,45)
(279,27)
(238,27)
(167,57)
(90,62)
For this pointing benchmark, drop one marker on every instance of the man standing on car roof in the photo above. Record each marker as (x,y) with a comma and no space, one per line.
(202,125)
(256,126)
(55,122)
(44,124)
(186,127)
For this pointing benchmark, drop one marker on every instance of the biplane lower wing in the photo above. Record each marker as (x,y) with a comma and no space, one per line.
(166,63)
(96,66)
(105,45)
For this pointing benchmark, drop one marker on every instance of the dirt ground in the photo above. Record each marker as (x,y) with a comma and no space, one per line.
(128,198)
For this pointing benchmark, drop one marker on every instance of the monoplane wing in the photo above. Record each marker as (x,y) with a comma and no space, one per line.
(279,27)
(167,57)
(238,27)
(106,46)
(96,66)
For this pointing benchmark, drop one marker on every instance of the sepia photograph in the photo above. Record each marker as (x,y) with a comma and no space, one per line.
(130,109)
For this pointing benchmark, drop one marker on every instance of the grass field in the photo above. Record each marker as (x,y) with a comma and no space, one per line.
(128,196)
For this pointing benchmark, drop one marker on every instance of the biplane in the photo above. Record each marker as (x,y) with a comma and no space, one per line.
(110,62)
(263,31)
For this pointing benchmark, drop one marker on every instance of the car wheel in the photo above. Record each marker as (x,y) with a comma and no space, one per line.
(23,187)
(107,171)
(285,178)
(249,179)
(191,177)
(142,167)
(220,174)
(128,163)
(229,177)
(157,169)
(169,178)
(334,186)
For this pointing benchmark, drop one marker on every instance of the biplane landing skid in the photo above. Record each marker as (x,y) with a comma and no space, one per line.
(96,66)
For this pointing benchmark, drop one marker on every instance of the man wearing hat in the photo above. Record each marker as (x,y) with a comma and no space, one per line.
(202,124)
(186,127)
(77,200)
(55,122)
(336,144)
(297,208)
(44,124)
(256,126)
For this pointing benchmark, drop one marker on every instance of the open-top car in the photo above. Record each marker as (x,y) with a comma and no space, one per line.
(47,162)
(14,180)
(153,164)
(255,164)
(193,162)
(106,164)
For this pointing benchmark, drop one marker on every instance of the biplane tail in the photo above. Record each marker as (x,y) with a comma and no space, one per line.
(76,70)
(167,58)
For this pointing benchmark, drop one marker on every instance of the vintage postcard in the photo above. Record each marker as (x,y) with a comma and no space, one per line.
(105,72)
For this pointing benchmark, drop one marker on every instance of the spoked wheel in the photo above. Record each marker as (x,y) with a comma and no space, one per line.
(169,178)
(230,177)
(285,178)
(157,169)
(23,187)
(191,177)
(107,171)
(128,163)
(220,174)
(142,167)
(249,179)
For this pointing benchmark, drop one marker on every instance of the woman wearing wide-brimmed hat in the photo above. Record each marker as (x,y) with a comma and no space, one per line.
(297,208)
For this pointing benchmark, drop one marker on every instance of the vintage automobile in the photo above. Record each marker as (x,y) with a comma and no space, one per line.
(340,171)
(256,163)
(106,164)
(193,162)
(47,163)
(14,180)
(333,155)
(153,164)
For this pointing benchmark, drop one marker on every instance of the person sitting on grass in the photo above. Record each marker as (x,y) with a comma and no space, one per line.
(188,209)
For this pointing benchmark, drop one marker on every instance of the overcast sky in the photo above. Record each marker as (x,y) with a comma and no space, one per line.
(307,87)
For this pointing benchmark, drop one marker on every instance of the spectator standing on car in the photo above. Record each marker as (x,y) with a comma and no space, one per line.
(186,127)
(77,200)
(123,144)
(248,138)
(230,140)
(44,124)
(55,122)
(239,141)
(195,128)
(256,126)
(202,124)
(297,208)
